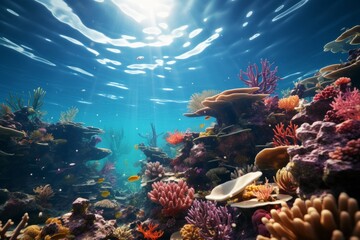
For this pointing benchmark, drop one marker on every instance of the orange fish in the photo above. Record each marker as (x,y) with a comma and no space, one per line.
(207,117)
(100,180)
(134,178)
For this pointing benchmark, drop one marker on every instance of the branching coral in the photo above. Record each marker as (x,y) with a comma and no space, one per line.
(173,197)
(266,79)
(69,115)
(150,232)
(289,103)
(285,136)
(318,218)
(347,105)
(196,99)
(328,92)
(214,222)
(154,170)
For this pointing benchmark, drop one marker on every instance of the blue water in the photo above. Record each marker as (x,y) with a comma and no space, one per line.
(126,63)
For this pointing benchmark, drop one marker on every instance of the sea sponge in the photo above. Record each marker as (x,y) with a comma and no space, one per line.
(317,218)
(190,232)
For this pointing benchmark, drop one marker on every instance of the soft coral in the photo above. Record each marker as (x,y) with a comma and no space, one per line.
(347,105)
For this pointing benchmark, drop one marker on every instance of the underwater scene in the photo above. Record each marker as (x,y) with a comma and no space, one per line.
(181,120)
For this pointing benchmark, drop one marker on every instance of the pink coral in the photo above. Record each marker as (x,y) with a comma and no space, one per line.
(173,197)
(347,105)
(327,93)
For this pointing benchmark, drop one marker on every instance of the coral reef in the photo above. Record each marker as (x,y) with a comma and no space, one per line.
(149,231)
(214,222)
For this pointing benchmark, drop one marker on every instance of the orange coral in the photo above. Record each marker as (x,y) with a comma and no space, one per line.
(285,136)
(342,80)
(150,233)
(289,103)
(175,138)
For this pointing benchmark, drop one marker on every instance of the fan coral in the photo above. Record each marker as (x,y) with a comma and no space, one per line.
(154,170)
(327,93)
(351,152)
(122,233)
(175,138)
(318,218)
(150,232)
(190,232)
(286,181)
(214,222)
(173,197)
(285,136)
(196,99)
(268,81)
(347,105)
(289,103)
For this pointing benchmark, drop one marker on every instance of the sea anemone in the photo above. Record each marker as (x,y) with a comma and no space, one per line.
(289,103)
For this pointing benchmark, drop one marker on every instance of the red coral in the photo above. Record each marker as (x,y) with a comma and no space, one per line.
(175,138)
(285,136)
(173,197)
(150,233)
(350,153)
(347,105)
(327,93)
(342,81)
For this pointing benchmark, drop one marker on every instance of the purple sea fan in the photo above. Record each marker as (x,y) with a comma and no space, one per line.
(266,79)
(214,222)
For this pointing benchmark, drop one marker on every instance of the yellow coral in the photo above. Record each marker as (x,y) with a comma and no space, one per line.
(190,232)
(123,233)
(31,232)
(289,103)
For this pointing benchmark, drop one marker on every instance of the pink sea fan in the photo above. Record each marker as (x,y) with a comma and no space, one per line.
(174,197)
(347,105)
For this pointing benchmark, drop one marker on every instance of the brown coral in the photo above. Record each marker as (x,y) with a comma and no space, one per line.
(318,218)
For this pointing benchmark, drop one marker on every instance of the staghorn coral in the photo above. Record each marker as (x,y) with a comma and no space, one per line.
(214,222)
(154,170)
(268,77)
(196,99)
(173,197)
(190,232)
(286,181)
(285,136)
(317,218)
(150,232)
(347,105)
(16,231)
(289,103)
(122,233)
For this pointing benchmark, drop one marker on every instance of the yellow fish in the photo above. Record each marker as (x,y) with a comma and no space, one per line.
(100,180)
(136,146)
(118,214)
(105,193)
(133,178)
(202,125)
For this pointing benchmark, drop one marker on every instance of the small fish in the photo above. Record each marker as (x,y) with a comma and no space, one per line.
(140,58)
(133,178)
(207,117)
(118,214)
(105,193)
(100,180)
(202,125)
(136,146)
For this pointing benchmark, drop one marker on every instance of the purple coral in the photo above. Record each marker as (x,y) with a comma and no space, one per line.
(252,76)
(214,222)
(154,170)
